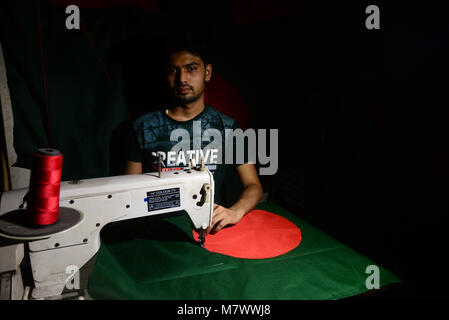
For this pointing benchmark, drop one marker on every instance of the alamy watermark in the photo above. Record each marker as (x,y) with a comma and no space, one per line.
(73,278)
(373,20)
(72,21)
(373,280)
(249,146)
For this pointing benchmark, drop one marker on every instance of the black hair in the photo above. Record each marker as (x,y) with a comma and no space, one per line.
(192,43)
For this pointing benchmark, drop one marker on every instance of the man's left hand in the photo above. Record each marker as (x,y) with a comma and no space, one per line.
(223,217)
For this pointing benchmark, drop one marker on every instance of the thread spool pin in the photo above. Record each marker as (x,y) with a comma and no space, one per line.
(202,168)
(160,165)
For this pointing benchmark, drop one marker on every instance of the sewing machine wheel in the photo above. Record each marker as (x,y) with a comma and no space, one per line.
(13,225)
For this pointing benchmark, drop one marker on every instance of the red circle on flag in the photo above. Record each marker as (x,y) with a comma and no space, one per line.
(259,235)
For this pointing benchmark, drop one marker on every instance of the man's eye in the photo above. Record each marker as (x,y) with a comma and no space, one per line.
(191,69)
(171,70)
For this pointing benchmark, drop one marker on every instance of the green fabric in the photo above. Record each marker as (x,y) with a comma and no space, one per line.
(156,258)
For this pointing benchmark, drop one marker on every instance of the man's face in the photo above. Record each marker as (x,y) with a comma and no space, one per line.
(187,76)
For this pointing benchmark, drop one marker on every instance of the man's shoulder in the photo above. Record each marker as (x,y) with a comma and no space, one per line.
(150,119)
(227,121)
(158,118)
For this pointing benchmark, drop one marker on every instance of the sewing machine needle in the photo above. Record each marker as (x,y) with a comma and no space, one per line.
(202,237)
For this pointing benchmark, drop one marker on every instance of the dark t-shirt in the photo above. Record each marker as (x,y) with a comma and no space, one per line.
(155,133)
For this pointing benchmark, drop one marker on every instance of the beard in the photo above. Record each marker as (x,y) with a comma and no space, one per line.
(185,99)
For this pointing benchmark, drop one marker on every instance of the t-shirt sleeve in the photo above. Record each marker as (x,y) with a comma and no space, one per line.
(133,152)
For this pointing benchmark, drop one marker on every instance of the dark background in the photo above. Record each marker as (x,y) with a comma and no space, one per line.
(362,114)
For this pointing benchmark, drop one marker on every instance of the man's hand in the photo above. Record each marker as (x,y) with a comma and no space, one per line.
(250,197)
(223,217)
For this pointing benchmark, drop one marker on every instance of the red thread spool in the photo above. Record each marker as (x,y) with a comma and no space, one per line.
(45,183)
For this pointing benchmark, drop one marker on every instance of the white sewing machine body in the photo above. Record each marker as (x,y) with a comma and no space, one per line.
(99,201)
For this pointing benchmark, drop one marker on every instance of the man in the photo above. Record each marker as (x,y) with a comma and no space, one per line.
(187,73)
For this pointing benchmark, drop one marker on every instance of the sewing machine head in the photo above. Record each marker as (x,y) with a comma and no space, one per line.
(86,206)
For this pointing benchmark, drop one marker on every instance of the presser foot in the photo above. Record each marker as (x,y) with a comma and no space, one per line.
(202,236)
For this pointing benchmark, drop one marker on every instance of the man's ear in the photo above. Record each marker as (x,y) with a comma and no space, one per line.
(208,72)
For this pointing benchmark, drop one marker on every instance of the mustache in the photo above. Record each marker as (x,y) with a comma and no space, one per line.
(183,87)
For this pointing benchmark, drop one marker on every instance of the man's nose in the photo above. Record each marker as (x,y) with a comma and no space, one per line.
(181,77)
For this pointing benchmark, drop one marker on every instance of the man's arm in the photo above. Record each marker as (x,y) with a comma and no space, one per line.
(250,197)
(133,167)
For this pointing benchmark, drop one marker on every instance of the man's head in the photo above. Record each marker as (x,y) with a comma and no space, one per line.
(188,71)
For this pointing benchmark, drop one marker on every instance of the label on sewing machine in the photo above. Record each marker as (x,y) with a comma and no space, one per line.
(163,199)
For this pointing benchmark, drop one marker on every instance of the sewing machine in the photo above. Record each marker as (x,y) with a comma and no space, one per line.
(57,251)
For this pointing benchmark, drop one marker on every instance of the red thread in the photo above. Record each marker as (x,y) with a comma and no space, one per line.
(44,77)
(108,77)
(45,182)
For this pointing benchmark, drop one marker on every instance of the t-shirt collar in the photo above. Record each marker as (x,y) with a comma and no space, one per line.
(206,107)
